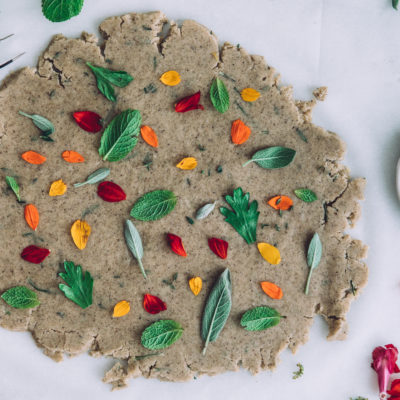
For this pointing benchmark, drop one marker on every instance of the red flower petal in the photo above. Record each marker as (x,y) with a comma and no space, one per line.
(111,192)
(176,244)
(189,103)
(153,304)
(34,254)
(395,389)
(88,121)
(384,363)
(219,247)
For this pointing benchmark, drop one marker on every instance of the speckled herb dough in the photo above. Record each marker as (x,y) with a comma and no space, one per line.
(62,84)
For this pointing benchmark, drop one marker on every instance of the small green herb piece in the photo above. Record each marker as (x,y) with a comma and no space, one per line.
(190,220)
(358,398)
(13,184)
(277,228)
(120,136)
(244,216)
(395,4)
(138,358)
(353,288)
(219,95)
(79,285)
(227,76)
(306,195)
(217,309)
(219,169)
(205,211)
(301,135)
(170,282)
(314,255)
(20,297)
(154,205)
(201,148)
(134,243)
(36,287)
(89,210)
(148,160)
(107,77)
(273,157)
(95,177)
(260,318)
(44,125)
(297,374)
(161,334)
(61,10)
(150,89)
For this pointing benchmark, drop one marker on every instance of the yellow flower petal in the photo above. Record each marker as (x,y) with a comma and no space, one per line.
(195,285)
(250,94)
(170,78)
(187,163)
(57,188)
(122,308)
(270,253)
(80,232)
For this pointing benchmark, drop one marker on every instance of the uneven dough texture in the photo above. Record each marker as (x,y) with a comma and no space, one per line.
(62,84)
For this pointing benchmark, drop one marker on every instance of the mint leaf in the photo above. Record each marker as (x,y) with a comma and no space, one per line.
(260,318)
(20,297)
(161,334)
(306,195)
(154,205)
(61,10)
(314,255)
(79,285)
(273,157)
(120,136)
(244,216)
(219,95)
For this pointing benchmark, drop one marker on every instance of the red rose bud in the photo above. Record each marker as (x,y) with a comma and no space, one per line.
(89,121)
(111,192)
(34,254)
(219,247)
(176,245)
(153,304)
(189,103)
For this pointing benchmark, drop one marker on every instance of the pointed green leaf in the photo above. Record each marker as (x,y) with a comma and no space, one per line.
(134,243)
(314,255)
(13,184)
(219,95)
(273,157)
(61,10)
(154,205)
(95,177)
(260,318)
(161,334)
(306,195)
(42,123)
(20,297)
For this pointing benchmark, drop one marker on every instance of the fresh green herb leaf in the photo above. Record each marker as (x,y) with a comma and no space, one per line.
(227,76)
(79,285)
(395,4)
(134,243)
(217,309)
(273,157)
(301,135)
(201,148)
(44,125)
(260,318)
(170,282)
(61,10)
(154,205)
(219,169)
(297,374)
(95,177)
(314,255)
(89,210)
(106,78)
(13,184)
(219,95)
(120,136)
(244,216)
(161,334)
(20,297)
(306,195)
(148,160)
(205,211)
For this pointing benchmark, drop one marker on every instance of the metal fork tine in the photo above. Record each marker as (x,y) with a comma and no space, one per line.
(6,37)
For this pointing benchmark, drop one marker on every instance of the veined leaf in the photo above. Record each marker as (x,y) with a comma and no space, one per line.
(95,177)
(273,157)
(61,10)
(20,297)
(13,184)
(154,205)
(134,243)
(161,334)
(314,255)
(306,195)
(260,318)
(219,95)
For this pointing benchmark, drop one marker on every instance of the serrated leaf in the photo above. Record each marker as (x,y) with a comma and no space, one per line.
(134,243)
(20,297)
(161,334)
(61,10)
(260,318)
(244,216)
(13,184)
(120,136)
(95,177)
(217,309)
(306,195)
(219,95)
(154,205)
(314,255)
(273,157)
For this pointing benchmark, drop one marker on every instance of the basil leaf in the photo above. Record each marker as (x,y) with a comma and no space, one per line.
(13,184)
(205,211)
(95,177)
(219,95)
(61,10)
(260,318)
(161,334)
(217,309)
(20,297)
(154,205)
(306,195)
(314,255)
(120,136)
(273,157)
(42,123)
(106,78)
(134,243)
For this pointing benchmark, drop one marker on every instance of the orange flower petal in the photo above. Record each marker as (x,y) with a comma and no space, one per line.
(72,156)
(31,216)
(32,157)
(240,132)
(149,136)
(281,203)
(272,290)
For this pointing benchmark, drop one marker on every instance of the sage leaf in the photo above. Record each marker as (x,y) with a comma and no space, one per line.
(306,195)
(95,177)
(161,334)
(260,318)
(217,309)
(20,297)
(105,78)
(134,243)
(219,95)
(120,136)
(154,205)
(45,126)
(273,157)
(61,10)
(314,255)
(205,211)
(13,184)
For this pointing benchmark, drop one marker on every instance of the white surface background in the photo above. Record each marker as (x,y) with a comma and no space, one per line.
(353,47)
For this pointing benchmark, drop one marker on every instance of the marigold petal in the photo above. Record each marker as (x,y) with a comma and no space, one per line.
(57,188)
(32,157)
(121,308)
(72,157)
(31,214)
(195,285)
(272,290)
(80,232)
(281,203)
(170,78)
(270,253)
(149,136)
(240,132)
(187,163)
(250,94)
